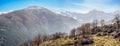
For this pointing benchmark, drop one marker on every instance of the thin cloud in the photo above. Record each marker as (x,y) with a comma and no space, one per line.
(98,5)
(77,10)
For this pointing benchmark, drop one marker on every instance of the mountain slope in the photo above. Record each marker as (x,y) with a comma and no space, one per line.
(21,25)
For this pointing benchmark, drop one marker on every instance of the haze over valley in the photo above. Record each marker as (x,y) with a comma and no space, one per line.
(59,23)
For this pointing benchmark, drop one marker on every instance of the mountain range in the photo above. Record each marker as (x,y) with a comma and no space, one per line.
(24,24)
(91,15)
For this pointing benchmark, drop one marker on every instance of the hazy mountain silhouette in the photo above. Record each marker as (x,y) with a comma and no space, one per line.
(91,15)
(24,24)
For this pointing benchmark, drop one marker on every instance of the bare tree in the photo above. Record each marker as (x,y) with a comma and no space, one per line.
(72,33)
(95,23)
(58,35)
(85,37)
(84,29)
(102,22)
(117,20)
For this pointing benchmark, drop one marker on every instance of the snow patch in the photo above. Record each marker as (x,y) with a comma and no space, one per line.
(6,12)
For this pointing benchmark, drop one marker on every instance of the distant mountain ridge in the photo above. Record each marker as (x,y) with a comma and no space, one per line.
(91,15)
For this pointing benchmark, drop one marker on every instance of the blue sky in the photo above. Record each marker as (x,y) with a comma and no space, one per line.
(62,5)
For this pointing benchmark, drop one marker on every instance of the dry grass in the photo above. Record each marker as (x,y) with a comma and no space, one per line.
(105,41)
(98,41)
(58,42)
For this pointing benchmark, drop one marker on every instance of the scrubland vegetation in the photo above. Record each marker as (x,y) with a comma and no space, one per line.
(88,34)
